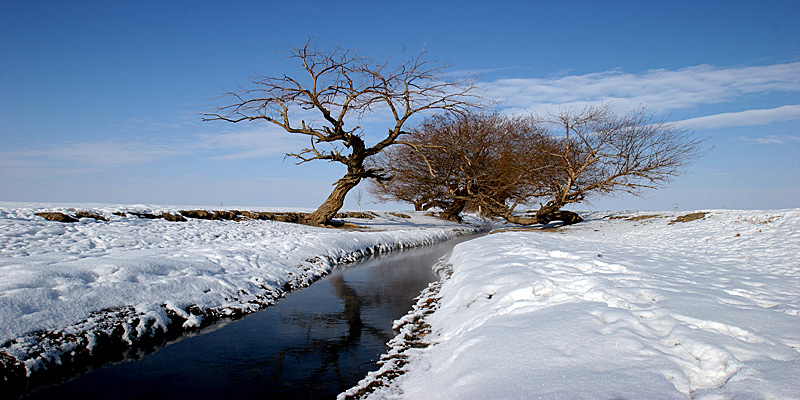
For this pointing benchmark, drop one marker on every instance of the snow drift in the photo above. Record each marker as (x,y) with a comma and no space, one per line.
(627,305)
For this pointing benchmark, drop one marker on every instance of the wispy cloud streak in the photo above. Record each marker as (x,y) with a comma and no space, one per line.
(254,143)
(747,118)
(772,139)
(89,156)
(659,89)
(107,154)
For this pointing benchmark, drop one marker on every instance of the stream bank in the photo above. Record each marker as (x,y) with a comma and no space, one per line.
(354,327)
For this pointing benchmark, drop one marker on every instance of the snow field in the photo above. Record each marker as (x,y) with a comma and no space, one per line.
(621,306)
(71,279)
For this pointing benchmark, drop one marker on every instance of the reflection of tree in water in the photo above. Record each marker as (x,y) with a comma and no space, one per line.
(312,345)
(328,341)
(327,349)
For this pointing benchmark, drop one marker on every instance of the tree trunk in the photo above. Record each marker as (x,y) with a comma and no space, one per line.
(521,220)
(552,212)
(335,201)
(568,217)
(544,213)
(452,212)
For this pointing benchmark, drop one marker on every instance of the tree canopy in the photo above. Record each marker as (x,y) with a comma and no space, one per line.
(496,163)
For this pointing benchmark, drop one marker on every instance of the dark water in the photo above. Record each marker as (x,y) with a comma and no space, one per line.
(314,344)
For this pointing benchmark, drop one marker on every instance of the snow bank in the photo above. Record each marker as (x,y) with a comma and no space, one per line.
(621,306)
(66,286)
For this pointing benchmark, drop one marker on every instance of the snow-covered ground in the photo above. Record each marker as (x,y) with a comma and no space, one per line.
(63,284)
(624,305)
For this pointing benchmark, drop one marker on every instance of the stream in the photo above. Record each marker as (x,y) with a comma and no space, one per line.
(313,344)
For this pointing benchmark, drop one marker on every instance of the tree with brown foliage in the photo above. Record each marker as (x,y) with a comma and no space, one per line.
(340,87)
(498,163)
(471,161)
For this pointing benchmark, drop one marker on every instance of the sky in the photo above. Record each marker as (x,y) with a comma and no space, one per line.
(102,102)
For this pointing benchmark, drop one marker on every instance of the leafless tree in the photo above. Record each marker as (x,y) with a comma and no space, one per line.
(599,152)
(340,87)
(471,161)
(496,163)
(359,196)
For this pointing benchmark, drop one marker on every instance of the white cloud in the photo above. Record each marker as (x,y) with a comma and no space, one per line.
(747,118)
(108,154)
(478,72)
(772,139)
(252,143)
(659,89)
(91,157)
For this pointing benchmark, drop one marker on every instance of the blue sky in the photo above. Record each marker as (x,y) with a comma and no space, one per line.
(102,101)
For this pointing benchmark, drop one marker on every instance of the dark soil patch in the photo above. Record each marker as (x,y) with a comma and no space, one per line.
(292,217)
(145,215)
(173,217)
(84,214)
(199,214)
(643,217)
(355,214)
(254,215)
(689,217)
(344,225)
(165,215)
(56,216)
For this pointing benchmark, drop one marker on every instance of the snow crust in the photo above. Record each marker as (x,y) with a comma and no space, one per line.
(626,305)
(69,279)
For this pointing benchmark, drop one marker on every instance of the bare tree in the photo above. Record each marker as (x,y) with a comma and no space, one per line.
(411,180)
(599,152)
(359,196)
(340,86)
(472,161)
(497,163)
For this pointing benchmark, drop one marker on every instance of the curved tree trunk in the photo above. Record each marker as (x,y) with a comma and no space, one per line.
(335,201)
(521,220)
(568,217)
(553,212)
(547,213)
(453,211)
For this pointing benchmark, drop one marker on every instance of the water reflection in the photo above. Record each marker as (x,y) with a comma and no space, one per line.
(352,309)
(314,344)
